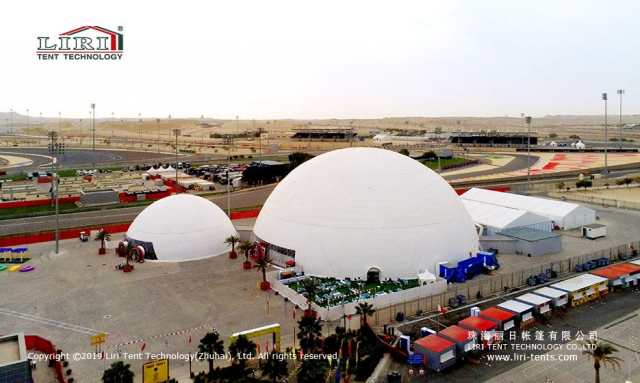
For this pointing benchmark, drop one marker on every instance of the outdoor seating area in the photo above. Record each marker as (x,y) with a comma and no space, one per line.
(335,292)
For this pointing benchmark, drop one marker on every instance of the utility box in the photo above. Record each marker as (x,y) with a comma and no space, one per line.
(594,230)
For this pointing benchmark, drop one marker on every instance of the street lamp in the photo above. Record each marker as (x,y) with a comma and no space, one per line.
(606,168)
(55,149)
(140,130)
(158,143)
(620,92)
(528,121)
(28,115)
(93,131)
(176,132)
(112,124)
(40,119)
(10,120)
(236,126)
(229,143)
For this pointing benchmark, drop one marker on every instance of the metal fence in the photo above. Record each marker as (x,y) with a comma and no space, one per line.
(492,285)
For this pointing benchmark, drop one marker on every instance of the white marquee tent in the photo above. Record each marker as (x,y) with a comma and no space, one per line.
(564,214)
(182,227)
(494,218)
(348,211)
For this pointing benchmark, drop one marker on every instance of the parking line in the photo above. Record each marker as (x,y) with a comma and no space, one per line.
(66,326)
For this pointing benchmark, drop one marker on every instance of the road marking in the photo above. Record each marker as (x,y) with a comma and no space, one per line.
(51,322)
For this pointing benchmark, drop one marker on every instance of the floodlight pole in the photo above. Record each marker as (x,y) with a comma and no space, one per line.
(620,92)
(54,149)
(158,142)
(177,133)
(528,120)
(93,129)
(606,164)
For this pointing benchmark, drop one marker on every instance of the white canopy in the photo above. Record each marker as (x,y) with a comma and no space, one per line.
(495,218)
(564,214)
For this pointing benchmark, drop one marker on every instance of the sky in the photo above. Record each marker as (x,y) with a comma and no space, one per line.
(330,59)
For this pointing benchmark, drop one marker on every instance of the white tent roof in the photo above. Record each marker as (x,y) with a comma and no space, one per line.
(349,210)
(183,227)
(500,217)
(579,282)
(564,214)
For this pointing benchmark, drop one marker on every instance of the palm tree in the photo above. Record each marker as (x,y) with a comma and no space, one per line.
(211,345)
(102,236)
(245,246)
(311,288)
(242,349)
(364,309)
(261,264)
(310,328)
(275,366)
(232,240)
(118,373)
(313,370)
(600,352)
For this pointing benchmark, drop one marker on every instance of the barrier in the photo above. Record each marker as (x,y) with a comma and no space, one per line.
(46,347)
(64,234)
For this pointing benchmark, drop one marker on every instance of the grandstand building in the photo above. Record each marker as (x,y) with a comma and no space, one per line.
(335,134)
(493,140)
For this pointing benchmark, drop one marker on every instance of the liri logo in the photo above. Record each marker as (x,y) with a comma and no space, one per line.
(84,43)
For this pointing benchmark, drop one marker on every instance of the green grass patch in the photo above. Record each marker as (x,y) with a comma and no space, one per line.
(34,211)
(433,164)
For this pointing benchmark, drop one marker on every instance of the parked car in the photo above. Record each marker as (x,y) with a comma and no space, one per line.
(84,237)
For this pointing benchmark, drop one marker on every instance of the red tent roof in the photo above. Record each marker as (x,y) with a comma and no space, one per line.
(616,271)
(478,323)
(456,332)
(435,343)
(496,313)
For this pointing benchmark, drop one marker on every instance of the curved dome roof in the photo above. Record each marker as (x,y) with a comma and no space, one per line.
(349,210)
(183,227)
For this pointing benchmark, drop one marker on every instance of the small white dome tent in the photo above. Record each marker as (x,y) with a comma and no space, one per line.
(181,227)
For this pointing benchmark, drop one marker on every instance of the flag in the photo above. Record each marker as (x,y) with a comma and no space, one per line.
(143,347)
(329,359)
(258,347)
(294,313)
(349,349)
(357,347)
(631,246)
(442,310)
(190,339)
(337,376)
(266,346)
(102,355)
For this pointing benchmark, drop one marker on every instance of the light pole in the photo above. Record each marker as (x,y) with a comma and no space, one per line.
(528,121)
(236,126)
(229,142)
(260,144)
(10,120)
(93,131)
(620,92)
(55,149)
(176,132)
(606,167)
(60,123)
(40,119)
(112,124)
(140,130)
(158,142)
(28,114)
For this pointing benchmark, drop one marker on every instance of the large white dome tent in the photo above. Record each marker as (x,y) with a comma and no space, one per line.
(350,211)
(181,227)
